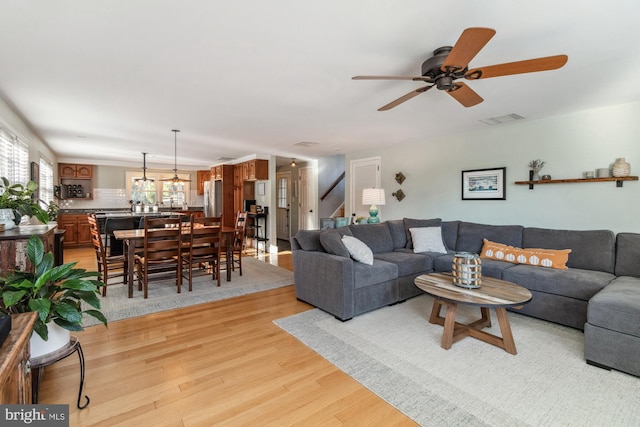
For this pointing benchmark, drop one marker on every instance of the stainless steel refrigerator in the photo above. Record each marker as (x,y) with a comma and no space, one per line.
(213,198)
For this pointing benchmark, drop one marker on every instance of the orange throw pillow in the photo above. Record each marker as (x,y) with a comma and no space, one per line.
(550,258)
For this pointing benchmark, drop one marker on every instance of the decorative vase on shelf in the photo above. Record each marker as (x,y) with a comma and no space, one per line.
(621,168)
(7,219)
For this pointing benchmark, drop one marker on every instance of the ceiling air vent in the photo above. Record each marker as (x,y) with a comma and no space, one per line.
(502,119)
(225,159)
(305,144)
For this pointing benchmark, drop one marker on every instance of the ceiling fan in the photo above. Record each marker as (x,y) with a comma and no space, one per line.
(449,64)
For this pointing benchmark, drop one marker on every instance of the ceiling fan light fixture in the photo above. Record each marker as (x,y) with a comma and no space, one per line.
(445,83)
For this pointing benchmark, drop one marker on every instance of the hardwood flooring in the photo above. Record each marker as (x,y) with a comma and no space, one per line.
(221,363)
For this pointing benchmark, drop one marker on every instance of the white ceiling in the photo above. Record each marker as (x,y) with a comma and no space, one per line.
(104,81)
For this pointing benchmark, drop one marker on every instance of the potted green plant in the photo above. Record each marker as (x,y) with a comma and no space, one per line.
(17,200)
(52,210)
(56,293)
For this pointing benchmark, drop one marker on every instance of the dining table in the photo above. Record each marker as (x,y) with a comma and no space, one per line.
(131,237)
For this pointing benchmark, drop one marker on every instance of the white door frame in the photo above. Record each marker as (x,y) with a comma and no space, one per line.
(307,198)
(283,225)
(364,173)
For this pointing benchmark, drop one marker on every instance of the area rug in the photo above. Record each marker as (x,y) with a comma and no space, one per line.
(395,352)
(256,276)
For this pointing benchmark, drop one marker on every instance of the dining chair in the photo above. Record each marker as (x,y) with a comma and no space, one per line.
(238,242)
(161,252)
(202,248)
(113,245)
(109,266)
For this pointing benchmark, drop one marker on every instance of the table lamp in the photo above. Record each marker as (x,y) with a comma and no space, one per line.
(373,197)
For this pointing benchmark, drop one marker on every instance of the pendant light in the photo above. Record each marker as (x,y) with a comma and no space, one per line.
(175,179)
(144,171)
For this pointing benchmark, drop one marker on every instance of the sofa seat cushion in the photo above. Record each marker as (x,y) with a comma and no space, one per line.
(442,263)
(408,263)
(574,282)
(490,268)
(617,306)
(367,275)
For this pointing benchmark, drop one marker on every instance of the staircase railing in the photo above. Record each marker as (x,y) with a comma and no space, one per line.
(334,185)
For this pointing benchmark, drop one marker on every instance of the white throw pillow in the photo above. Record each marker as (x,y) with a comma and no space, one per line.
(427,239)
(358,250)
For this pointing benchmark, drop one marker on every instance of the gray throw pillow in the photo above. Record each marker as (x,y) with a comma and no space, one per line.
(332,243)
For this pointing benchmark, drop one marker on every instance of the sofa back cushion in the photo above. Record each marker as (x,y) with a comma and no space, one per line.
(398,233)
(628,254)
(309,240)
(471,235)
(450,234)
(331,241)
(590,249)
(376,236)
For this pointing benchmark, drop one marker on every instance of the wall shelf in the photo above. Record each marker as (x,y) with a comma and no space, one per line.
(618,180)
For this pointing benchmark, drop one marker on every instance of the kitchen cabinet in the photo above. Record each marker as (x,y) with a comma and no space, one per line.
(77,175)
(77,230)
(216,172)
(255,170)
(70,170)
(15,372)
(201,177)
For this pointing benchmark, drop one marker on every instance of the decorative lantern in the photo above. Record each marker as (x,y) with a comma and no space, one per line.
(466,268)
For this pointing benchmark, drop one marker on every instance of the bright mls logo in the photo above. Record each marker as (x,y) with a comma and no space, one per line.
(34,415)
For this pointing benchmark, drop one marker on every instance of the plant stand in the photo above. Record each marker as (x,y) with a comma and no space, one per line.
(38,363)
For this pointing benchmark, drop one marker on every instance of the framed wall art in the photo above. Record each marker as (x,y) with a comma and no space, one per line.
(484,184)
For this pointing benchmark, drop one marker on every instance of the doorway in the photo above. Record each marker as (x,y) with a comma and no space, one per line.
(283,205)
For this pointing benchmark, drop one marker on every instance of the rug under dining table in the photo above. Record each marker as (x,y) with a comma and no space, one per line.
(256,276)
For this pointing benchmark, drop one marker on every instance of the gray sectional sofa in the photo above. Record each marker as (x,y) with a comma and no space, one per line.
(598,293)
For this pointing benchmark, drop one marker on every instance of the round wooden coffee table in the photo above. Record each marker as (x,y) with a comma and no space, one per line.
(494,293)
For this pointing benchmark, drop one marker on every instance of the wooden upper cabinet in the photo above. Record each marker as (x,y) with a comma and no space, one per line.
(84,171)
(202,177)
(216,172)
(256,170)
(69,170)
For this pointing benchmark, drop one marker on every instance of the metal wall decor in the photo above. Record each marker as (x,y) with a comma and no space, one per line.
(400,178)
(399,194)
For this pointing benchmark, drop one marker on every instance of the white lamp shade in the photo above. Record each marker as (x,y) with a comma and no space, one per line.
(373,196)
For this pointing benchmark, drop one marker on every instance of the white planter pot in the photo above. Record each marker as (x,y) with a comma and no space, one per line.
(58,338)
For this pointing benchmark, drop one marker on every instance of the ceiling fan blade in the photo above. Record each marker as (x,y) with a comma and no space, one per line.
(387,78)
(467,47)
(518,67)
(465,95)
(405,98)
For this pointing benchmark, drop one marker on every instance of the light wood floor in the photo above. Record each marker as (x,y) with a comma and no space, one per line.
(220,363)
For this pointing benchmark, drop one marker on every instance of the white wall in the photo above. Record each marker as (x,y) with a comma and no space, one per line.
(570,145)
(36,146)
